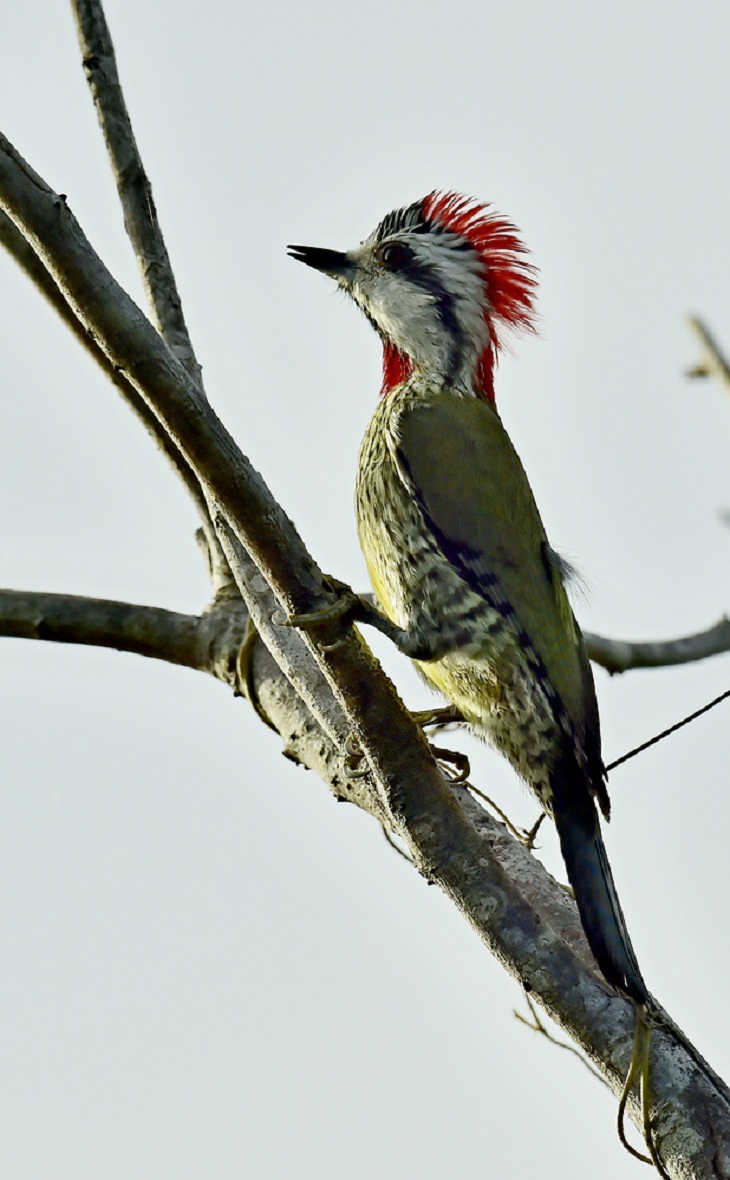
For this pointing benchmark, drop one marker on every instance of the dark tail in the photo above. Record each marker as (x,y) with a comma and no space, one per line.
(584,853)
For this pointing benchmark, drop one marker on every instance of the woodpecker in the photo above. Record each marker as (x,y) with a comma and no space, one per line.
(466,580)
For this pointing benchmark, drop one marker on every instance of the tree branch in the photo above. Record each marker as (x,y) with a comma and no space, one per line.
(99,622)
(618,655)
(133,184)
(529,924)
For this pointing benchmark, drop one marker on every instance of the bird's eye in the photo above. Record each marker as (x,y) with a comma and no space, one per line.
(395,256)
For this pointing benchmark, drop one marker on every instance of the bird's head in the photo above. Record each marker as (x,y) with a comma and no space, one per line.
(439,280)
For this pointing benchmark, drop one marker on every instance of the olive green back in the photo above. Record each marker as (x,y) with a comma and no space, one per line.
(474,493)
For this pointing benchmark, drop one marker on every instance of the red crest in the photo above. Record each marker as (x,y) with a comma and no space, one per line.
(510,280)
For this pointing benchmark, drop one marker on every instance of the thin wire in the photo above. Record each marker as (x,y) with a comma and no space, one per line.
(666,732)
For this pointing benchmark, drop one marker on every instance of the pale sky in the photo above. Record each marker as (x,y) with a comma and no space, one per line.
(209,968)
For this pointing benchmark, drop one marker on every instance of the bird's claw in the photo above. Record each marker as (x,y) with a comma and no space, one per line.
(446,715)
(353,757)
(347,607)
(458,766)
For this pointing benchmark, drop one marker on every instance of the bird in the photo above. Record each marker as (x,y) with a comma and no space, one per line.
(465,580)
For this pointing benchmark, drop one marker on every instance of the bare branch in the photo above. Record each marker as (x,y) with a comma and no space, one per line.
(618,655)
(98,622)
(133,185)
(534,932)
(398,753)
(24,254)
(206,643)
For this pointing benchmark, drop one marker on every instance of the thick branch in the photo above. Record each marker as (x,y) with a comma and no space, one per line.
(69,618)
(617,655)
(99,622)
(450,843)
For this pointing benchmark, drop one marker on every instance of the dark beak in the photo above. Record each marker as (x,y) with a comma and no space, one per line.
(330,262)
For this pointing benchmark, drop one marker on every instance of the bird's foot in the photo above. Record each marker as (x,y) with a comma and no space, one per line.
(439,718)
(348,608)
(457,765)
(446,715)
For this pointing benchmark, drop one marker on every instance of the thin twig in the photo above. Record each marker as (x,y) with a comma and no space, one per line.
(396,848)
(619,656)
(133,184)
(538,1027)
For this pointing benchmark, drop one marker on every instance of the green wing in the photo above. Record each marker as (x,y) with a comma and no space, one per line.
(472,489)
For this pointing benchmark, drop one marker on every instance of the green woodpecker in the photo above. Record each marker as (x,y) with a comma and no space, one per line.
(457,553)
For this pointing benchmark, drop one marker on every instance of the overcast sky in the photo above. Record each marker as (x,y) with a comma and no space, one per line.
(209,968)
